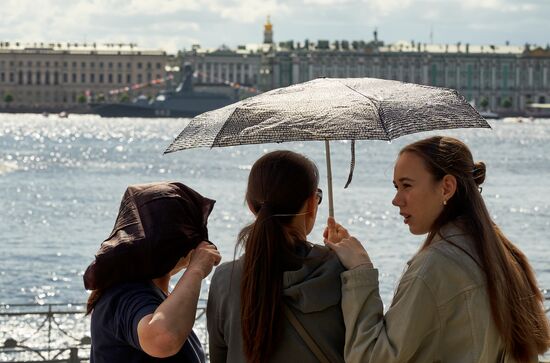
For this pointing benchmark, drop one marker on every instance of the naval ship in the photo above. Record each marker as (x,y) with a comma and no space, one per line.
(184,101)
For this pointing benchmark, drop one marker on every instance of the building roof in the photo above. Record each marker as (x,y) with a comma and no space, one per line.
(77,48)
(405,46)
(240,50)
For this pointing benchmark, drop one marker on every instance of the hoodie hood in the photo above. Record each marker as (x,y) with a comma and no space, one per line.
(312,288)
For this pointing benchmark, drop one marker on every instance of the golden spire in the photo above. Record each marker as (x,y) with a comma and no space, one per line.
(268,26)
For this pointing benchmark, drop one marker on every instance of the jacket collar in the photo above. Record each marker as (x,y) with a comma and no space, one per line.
(454,235)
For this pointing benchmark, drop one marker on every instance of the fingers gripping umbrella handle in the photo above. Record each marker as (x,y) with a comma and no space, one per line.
(329,180)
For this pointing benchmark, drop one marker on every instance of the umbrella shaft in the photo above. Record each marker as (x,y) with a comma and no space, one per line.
(329,180)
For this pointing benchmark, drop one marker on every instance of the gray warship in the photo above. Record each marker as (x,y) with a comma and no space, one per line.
(184,101)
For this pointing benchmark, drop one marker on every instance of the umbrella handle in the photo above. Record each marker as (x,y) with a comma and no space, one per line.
(329,180)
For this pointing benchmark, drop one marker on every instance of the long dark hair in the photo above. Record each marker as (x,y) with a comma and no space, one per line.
(94,297)
(516,302)
(279,184)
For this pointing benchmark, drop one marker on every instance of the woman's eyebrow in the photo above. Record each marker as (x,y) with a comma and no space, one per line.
(404,179)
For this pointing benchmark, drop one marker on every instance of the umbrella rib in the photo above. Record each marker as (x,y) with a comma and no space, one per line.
(222,129)
(380,116)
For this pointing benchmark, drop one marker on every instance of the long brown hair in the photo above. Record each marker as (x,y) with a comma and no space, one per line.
(515,300)
(94,297)
(278,186)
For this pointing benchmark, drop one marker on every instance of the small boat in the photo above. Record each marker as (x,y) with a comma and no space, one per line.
(489,114)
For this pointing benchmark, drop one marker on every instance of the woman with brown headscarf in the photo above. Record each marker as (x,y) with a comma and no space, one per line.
(160,229)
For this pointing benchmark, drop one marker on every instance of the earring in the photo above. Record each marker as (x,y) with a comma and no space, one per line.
(444,202)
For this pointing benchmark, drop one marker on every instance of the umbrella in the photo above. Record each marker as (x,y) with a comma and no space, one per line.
(331,109)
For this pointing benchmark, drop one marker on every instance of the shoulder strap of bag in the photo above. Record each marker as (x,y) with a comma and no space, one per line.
(305,335)
(503,357)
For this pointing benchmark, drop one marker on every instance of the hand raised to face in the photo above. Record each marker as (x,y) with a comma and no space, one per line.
(204,258)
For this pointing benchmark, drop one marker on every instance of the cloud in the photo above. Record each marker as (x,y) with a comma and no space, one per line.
(137,21)
(173,24)
(327,2)
(376,7)
(386,7)
(504,6)
(246,11)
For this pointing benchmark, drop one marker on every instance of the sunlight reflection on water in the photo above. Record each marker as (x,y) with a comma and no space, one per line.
(62,179)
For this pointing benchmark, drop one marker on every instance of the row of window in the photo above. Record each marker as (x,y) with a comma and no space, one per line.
(450,72)
(47,97)
(418,60)
(215,78)
(508,69)
(451,79)
(56,78)
(74,64)
(208,66)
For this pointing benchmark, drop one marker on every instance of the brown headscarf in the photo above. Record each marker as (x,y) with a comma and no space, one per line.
(157,224)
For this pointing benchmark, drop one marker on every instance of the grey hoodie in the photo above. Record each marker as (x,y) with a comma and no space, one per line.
(313,292)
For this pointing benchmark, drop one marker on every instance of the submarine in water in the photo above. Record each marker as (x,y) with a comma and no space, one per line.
(184,101)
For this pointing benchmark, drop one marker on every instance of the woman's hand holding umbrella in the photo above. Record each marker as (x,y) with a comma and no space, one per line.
(334,232)
(349,250)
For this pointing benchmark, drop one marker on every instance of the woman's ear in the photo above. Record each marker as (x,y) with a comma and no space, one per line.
(311,204)
(449,186)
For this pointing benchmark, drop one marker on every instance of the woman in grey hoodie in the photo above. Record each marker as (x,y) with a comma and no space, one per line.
(281,275)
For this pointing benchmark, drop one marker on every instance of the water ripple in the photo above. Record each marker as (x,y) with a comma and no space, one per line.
(61,181)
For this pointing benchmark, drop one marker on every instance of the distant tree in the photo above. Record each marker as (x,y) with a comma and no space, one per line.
(101,97)
(124,98)
(8,98)
(507,103)
(484,102)
(81,99)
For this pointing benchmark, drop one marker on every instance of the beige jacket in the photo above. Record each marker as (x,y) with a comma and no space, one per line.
(440,311)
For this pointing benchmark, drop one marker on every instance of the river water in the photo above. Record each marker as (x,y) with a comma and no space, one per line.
(61,181)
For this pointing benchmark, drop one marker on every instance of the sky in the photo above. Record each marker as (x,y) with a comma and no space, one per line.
(178,24)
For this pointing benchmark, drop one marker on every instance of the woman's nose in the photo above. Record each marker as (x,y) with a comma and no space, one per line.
(396,200)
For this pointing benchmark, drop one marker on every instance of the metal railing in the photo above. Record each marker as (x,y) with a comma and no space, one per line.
(61,332)
(56,332)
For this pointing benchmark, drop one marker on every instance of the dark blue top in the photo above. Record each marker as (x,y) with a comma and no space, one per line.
(114,325)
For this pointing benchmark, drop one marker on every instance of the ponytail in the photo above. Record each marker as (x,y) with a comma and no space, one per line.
(267,244)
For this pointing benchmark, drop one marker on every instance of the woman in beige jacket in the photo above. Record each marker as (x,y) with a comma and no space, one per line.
(468,295)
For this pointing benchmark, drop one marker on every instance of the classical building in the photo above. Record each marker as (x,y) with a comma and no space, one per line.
(502,78)
(63,75)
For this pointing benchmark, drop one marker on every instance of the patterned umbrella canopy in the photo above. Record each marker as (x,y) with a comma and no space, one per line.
(331,109)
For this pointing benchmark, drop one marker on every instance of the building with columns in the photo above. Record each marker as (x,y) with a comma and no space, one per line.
(225,65)
(58,75)
(502,78)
